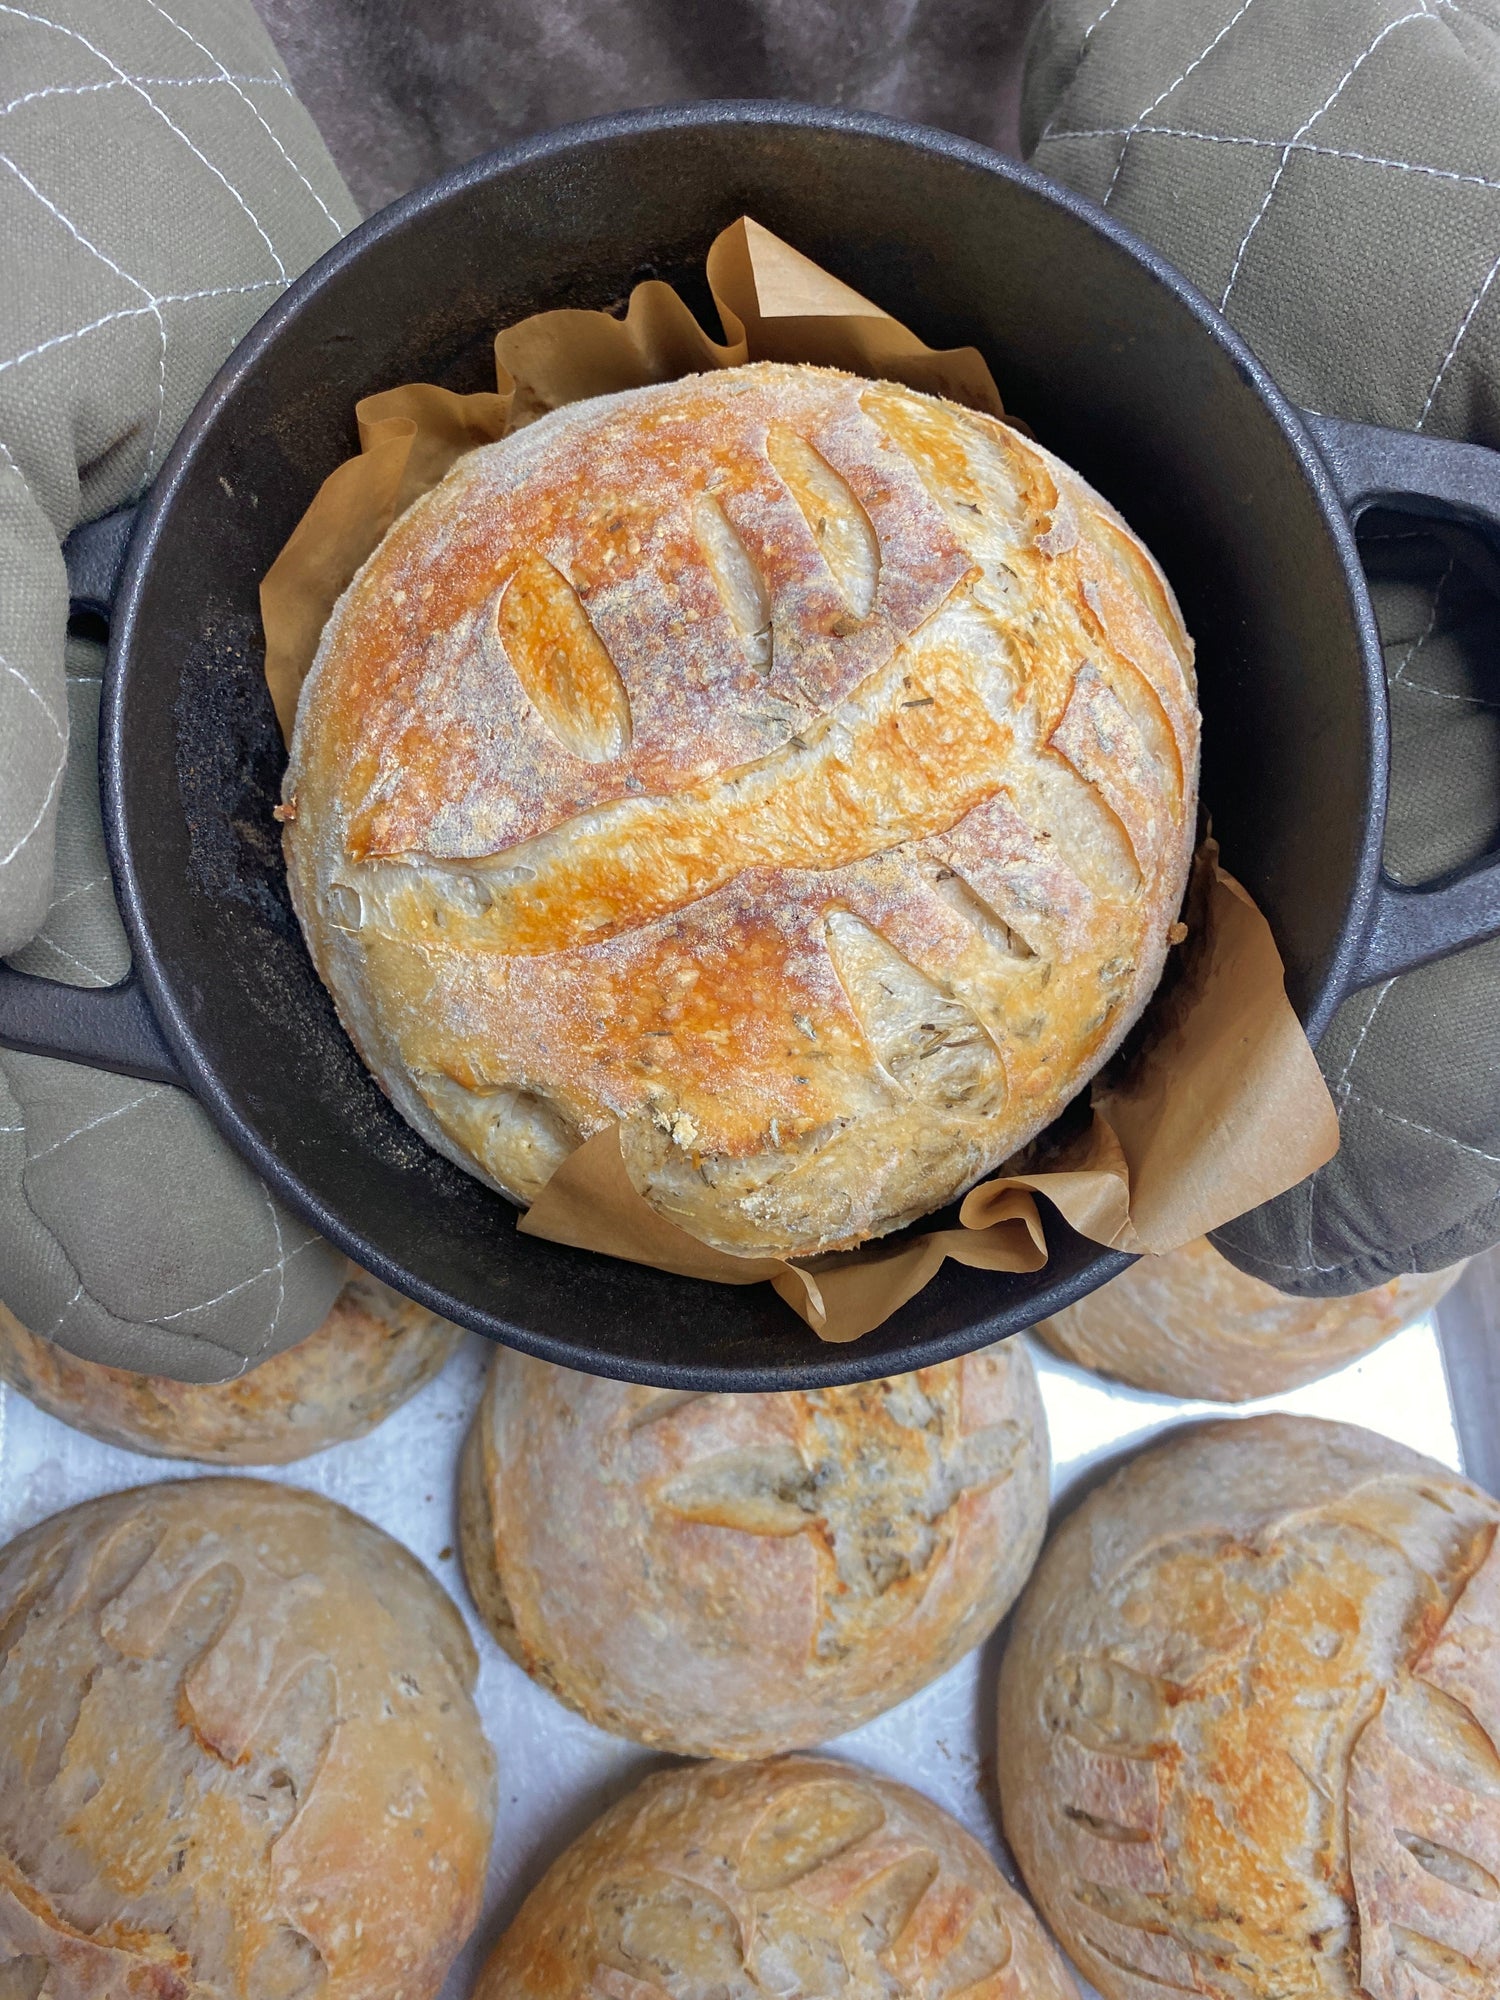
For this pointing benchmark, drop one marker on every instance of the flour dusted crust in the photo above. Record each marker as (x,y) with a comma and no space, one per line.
(239,1755)
(1250,1723)
(734,1575)
(374,1350)
(799,770)
(1190,1324)
(799,1876)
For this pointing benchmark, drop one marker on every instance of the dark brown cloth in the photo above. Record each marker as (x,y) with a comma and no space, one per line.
(403,89)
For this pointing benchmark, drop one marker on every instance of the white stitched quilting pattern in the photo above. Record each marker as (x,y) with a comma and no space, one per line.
(150,82)
(132,83)
(222,75)
(1298,144)
(29,162)
(32,693)
(1381,112)
(134,312)
(1088,35)
(159,186)
(1275,146)
(1430,627)
(1176,83)
(1463,326)
(1401,21)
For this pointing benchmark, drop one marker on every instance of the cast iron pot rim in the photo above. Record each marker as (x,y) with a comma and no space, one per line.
(838,1364)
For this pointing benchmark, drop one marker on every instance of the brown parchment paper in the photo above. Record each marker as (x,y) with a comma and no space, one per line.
(1218,1104)
(592,1203)
(775,305)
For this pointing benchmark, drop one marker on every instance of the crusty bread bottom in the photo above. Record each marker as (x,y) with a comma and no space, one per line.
(476,1546)
(1190,1324)
(374,1351)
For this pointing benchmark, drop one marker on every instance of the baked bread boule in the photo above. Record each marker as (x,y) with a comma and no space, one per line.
(239,1754)
(1249,1718)
(802,1876)
(1190,1324)
(374,1350)
(796,769)
(731,1575)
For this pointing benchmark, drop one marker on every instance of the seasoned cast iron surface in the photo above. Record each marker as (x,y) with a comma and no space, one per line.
(1112,367)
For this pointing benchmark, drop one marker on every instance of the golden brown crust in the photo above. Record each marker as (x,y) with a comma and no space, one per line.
(1190,1324)
(736,1575)
(800,1876)
(799,770)
(1250,1722)
(477,1542)
(374,1350)
(239,1753)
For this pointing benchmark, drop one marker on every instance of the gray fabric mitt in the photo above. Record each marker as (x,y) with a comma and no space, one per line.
(1330,177)
(159,185)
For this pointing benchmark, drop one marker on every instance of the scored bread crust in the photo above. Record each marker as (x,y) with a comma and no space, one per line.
(239,1754)
(731,1576)
(373,1351)
(796,769)
(1190,1324)
(1249,1722)
(799,1876)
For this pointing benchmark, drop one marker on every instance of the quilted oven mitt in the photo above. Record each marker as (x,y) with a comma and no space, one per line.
(159,185)
(1329,176)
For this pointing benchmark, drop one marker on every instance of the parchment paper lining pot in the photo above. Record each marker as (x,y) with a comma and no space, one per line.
(1222,1105)
(1104,349)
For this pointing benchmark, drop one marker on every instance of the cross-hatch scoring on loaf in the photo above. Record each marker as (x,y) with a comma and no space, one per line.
(846,713)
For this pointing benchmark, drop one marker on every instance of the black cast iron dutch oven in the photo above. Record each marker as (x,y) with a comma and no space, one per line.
(1117,364)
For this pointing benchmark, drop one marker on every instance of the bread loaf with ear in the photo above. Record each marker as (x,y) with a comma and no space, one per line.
(734,1575)
(798,1877)
(239,1754)
(1190,1324)
(795,770)
(1250,1722)
(374,1350)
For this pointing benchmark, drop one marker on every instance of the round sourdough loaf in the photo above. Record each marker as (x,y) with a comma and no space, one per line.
(798,1877)
(734,1575)
(239,1754)
(1190,1324)
(797,770)
(1249,1718)
(373,1351)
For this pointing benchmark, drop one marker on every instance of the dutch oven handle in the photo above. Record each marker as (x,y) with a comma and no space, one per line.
(108,1027)
(113,1027)
(1458,483)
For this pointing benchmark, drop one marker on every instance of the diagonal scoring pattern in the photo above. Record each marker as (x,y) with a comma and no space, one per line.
(1306,1779)
(798,1876)
(754,760)
(212,1722)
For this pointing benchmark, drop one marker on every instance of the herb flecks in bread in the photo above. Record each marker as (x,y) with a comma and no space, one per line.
(239,1753)
(734,1575)
(800,1876)
(797,770)
(1249,1719)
